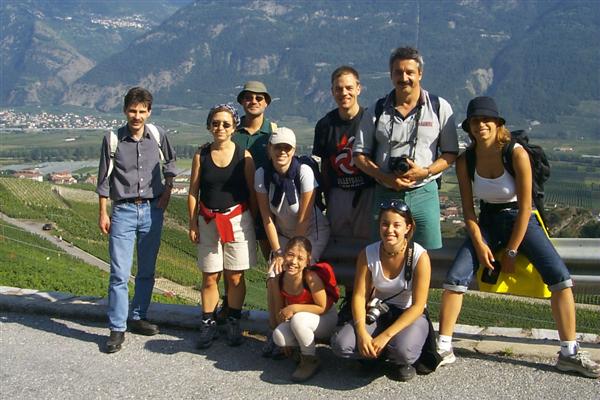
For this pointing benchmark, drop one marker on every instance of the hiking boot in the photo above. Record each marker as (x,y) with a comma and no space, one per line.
(448,357)
(114,342)
(142,327)
(208,333)
(580,363)
(223,312)
(234,332)
(309,365)
(271,350)
(405,373)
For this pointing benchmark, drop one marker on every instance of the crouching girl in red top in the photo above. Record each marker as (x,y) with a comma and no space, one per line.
(303,308)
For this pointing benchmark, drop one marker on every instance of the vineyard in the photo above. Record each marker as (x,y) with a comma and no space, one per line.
(76,222)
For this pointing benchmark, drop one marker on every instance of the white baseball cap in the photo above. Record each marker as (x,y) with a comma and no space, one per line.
(283,135)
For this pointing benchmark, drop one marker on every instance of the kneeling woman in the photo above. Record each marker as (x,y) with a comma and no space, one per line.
(302,307)
(221,223)
(392,280)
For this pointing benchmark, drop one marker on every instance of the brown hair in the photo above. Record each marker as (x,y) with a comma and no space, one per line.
(300,241)
(343,70)
(137,95)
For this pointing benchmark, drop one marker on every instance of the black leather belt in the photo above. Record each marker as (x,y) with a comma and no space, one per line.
(496,207)
(134,200)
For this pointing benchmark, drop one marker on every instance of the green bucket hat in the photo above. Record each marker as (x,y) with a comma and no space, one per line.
(254,87)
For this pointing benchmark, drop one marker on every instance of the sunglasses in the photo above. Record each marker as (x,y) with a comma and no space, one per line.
(216,124)
(397,205)
(257,97)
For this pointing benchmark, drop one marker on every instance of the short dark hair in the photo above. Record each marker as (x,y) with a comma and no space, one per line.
(299,241)
(406,53)
(343,70)
(137,95)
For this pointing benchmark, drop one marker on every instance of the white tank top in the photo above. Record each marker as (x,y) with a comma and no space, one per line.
(495,190)
(385,287)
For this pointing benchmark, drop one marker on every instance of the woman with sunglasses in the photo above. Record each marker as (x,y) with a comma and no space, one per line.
(505,221)
(285,192)
(221,222)
(390,297)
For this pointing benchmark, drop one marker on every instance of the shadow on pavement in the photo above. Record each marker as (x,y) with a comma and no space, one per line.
(47,324)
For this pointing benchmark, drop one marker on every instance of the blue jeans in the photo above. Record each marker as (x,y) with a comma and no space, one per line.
(132,224)
(496,229)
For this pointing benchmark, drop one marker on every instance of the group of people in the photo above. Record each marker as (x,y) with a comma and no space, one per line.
(378,175)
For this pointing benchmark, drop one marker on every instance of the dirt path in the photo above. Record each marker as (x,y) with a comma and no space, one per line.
(162,285)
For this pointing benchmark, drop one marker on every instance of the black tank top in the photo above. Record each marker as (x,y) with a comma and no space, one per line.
(222,188)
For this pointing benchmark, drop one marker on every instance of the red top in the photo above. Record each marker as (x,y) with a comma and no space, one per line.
(305,297)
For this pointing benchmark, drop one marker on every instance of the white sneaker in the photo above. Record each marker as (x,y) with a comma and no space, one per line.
(448,357)
(580,363)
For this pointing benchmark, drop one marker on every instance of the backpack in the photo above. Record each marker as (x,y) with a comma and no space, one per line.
(540,167)
(113,142)
(312,163)
(435,104)
(325,272)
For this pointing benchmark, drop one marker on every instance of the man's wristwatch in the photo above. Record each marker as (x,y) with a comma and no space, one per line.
(511,253)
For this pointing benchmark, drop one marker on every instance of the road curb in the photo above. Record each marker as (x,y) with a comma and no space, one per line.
(537,343)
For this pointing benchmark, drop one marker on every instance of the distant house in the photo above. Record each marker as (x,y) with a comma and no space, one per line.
(63,177)
(33,174)
(563,149)
(92,179)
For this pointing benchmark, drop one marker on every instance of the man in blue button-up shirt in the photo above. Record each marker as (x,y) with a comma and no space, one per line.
(130,175)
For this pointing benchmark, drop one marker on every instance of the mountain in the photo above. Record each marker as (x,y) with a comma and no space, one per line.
(47,45)
(540,59)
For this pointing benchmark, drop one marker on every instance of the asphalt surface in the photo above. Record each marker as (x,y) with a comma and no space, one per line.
(48,358)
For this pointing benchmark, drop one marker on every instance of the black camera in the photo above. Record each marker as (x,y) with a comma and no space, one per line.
(491,276)
(399,164)
(375,309)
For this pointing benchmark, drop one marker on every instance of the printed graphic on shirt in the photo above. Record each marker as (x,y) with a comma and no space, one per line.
(348,175)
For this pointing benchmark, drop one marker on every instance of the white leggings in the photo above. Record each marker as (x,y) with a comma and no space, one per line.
(303,328)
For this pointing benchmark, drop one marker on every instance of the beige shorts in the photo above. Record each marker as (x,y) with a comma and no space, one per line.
(239,255)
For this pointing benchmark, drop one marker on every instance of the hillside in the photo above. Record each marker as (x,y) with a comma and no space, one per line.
(47,45)
(87,53)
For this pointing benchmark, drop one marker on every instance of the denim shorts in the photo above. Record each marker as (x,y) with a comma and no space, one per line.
(496,229)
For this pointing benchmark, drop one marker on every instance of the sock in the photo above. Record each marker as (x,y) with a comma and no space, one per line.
(207,316)
(235,313)
(568,347)
(444,343)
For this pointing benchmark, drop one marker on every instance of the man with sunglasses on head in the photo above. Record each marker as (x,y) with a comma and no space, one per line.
(405,141)
(253,134)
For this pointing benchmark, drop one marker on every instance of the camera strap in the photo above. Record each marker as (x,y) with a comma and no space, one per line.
(413,137)
(408,270)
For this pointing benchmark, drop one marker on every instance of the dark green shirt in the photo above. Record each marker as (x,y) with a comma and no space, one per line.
(256,144)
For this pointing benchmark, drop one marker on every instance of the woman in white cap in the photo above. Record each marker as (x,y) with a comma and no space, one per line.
(285,192)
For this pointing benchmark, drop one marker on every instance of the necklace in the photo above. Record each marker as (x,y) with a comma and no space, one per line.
(393,253)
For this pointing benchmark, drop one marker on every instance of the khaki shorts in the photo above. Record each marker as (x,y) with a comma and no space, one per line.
(239,255)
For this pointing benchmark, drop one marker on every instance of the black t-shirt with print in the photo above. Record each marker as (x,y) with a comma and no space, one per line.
(333,142)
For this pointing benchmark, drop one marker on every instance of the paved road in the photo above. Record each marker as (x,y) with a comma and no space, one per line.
(49,358)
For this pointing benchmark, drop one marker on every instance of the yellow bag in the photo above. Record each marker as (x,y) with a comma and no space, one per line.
(525,281)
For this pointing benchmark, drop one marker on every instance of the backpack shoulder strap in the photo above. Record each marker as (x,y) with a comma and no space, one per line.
(379,110)
(507,156)
(113,142)
(435,104)
(273,126)
(470,160)
(156,135)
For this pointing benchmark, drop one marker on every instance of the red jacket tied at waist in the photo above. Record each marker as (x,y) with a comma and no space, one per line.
(222,220)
